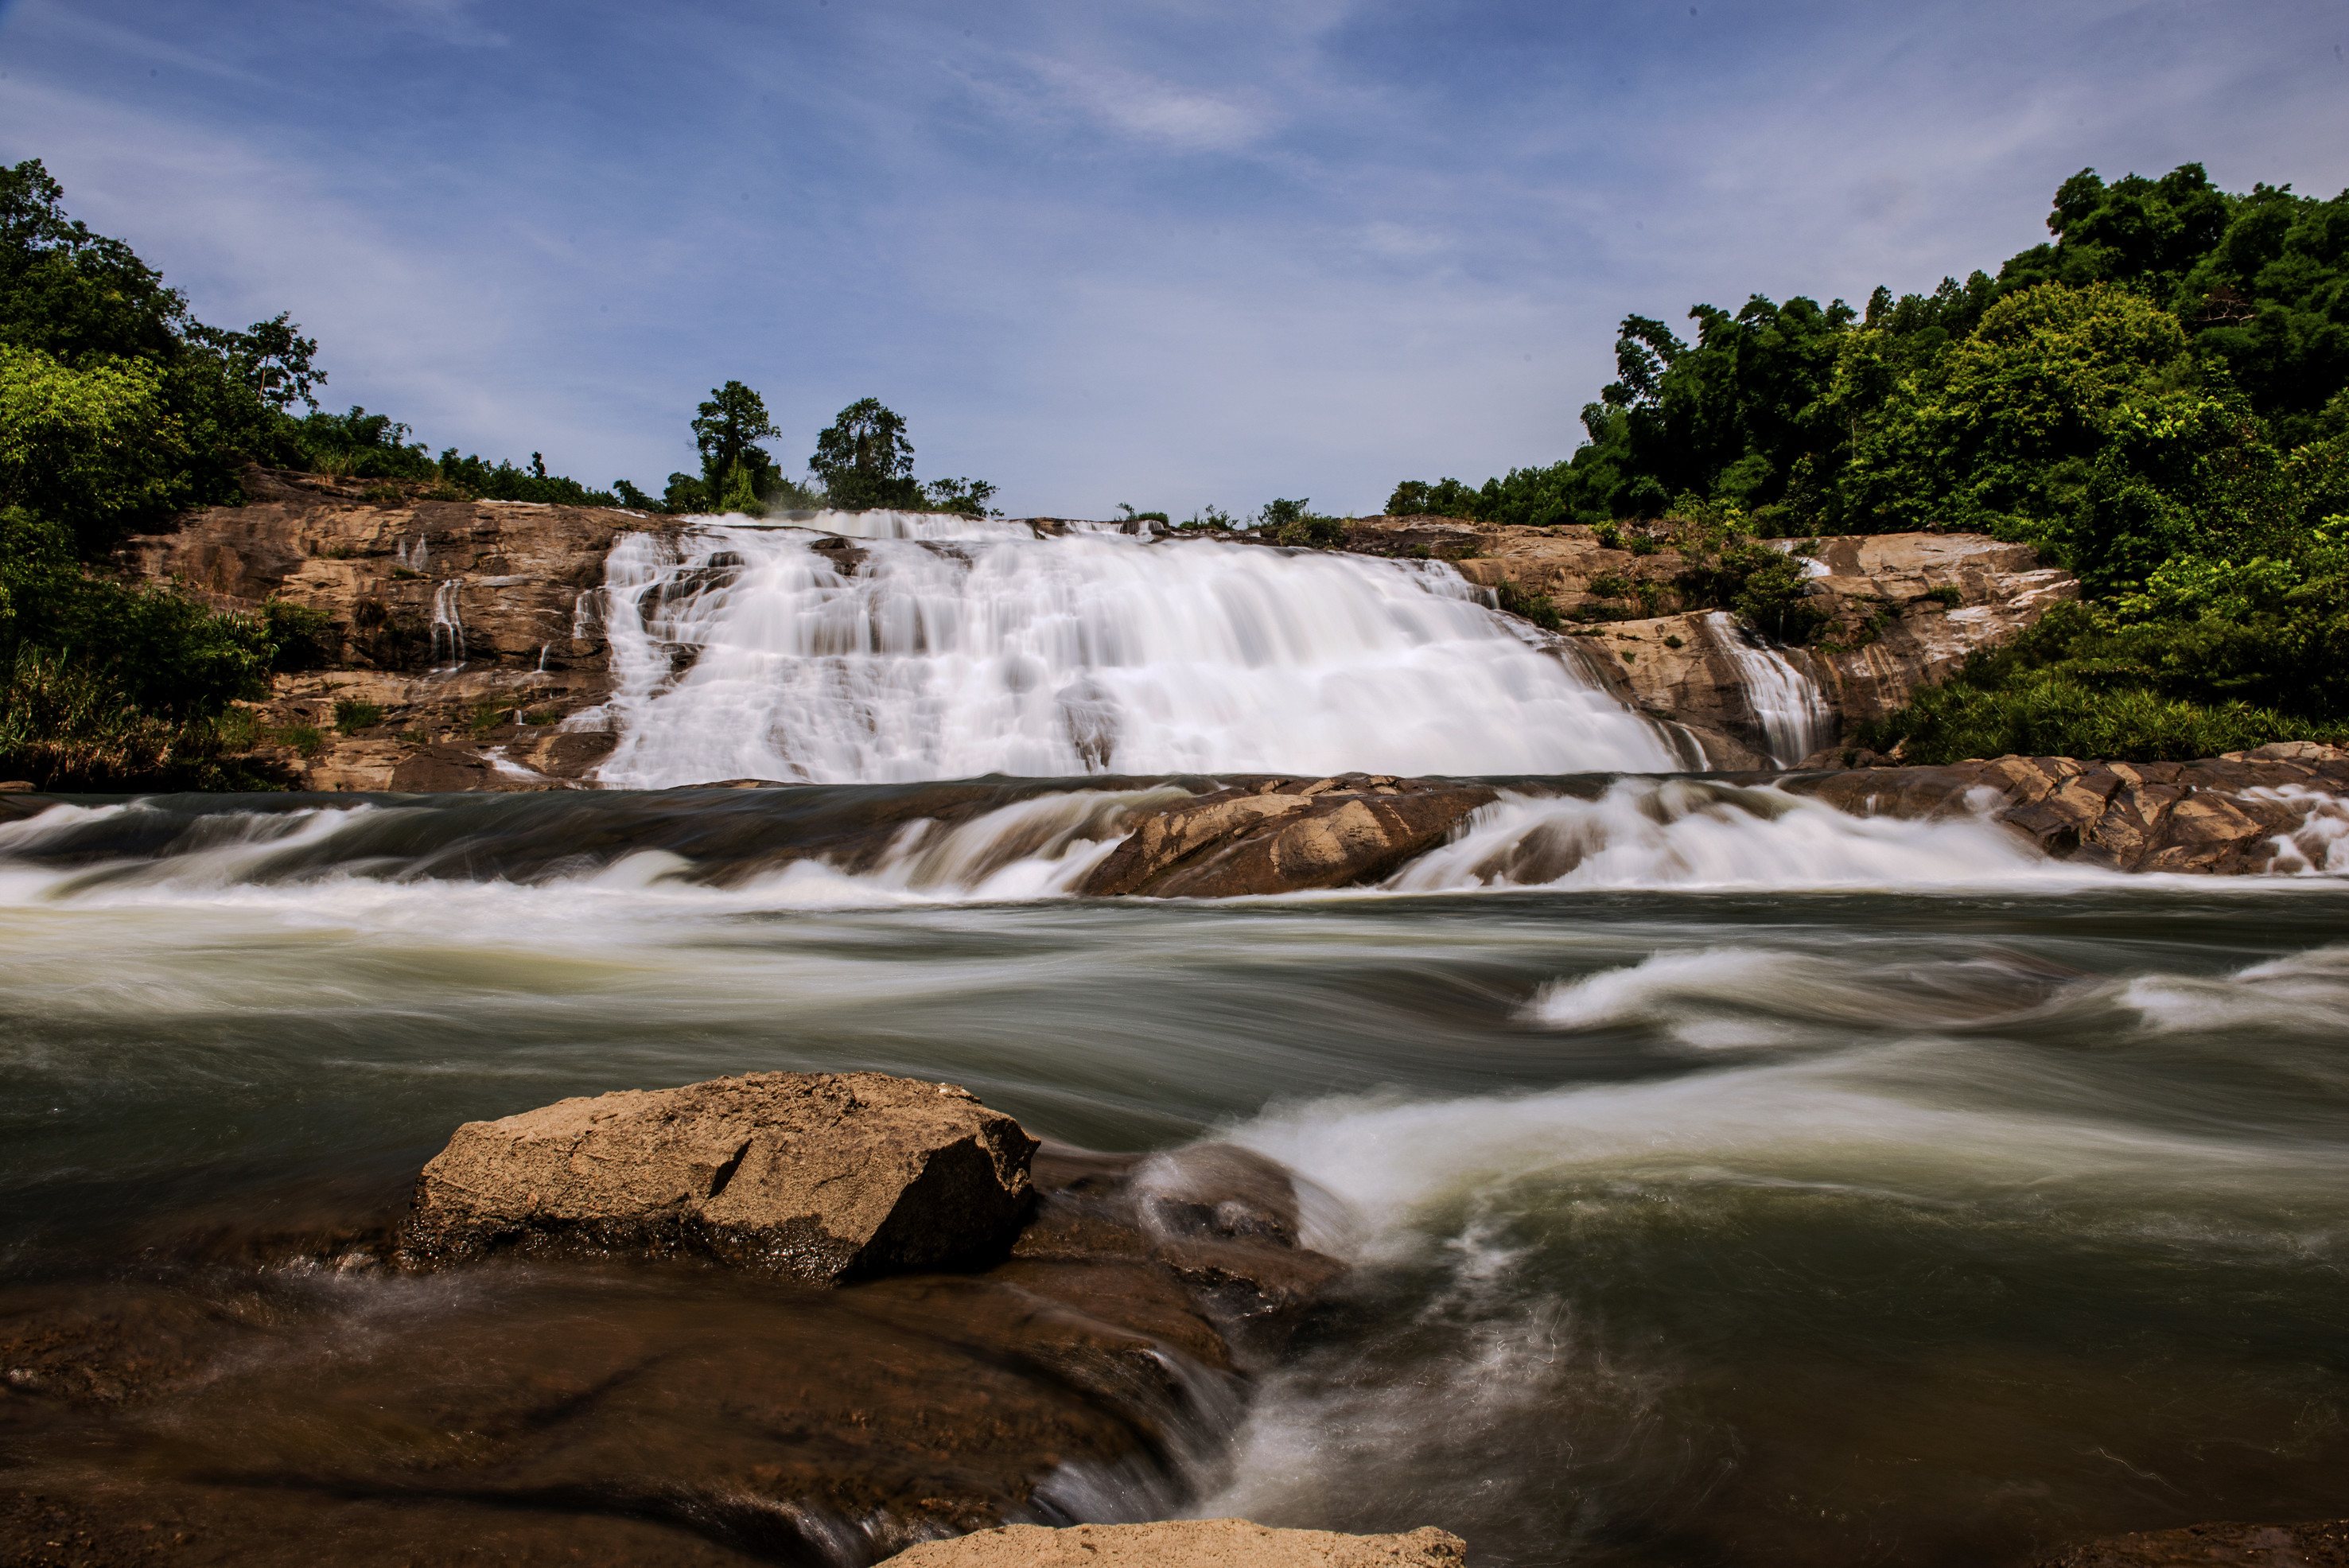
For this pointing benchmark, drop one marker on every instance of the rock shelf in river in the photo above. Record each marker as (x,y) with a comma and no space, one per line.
(819,1175)
(1281,835)
(1186,1543)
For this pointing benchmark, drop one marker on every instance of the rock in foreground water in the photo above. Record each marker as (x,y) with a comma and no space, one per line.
(1186,1543)
(818,1176)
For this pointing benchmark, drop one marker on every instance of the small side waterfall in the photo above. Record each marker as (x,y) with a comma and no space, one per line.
(1788,704)
(951,648)
(448,621)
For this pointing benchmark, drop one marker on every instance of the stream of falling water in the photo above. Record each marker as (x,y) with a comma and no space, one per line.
(957,648)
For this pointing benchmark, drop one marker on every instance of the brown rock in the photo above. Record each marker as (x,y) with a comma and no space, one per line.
(816,1176)
(1186,1543)
(2218,816)
(2320,1545)
(1283,835)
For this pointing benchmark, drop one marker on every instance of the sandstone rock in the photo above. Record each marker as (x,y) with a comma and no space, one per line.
(1186,1543)
(816,1176)
(2214,816)
(1282,834)
(1903,610)
(2319,1546)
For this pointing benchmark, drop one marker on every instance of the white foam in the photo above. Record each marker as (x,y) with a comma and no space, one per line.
(985,651)
(1680,832)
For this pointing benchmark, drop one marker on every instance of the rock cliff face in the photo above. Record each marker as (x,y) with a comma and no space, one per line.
(458,621)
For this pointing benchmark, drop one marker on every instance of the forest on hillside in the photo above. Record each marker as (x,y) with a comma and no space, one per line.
(2156,397)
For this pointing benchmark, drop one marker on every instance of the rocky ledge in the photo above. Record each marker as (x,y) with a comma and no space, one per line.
(1186,1543)
(2277,809)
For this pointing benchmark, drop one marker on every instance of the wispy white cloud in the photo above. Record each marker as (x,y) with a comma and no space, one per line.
(1175,254)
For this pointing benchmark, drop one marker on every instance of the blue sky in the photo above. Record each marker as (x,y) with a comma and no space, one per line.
(1172,255)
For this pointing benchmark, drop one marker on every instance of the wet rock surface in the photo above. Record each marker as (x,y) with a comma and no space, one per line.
(2319,1546)
(1259,835)
(2254,813)
(285,1393)
(819,1175)
(1187,1544)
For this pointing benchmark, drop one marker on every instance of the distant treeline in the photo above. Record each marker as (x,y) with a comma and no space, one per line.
(2156,398)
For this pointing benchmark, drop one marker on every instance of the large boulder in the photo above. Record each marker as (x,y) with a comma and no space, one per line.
(1186,1543)
(817,1176)
(1285,836)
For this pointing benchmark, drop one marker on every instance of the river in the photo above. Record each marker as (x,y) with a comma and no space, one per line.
(1755,1202)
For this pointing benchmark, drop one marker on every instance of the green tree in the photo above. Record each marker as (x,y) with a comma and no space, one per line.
(864,459)
(735,470)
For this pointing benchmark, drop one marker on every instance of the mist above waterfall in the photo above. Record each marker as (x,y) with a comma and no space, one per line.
(951,648)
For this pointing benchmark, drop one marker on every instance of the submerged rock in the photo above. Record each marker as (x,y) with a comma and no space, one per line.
(813,1175)
(1285,835)
(1187,1544)
(2320,1545)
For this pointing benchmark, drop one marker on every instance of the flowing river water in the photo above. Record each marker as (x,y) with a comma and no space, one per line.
(1724,1180)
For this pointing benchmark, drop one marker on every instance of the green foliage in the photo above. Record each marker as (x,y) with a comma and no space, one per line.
(864,459)
(307,739)
(726,428)
(1445,498)
(358,444)
(166,654)
(1289,523)
(1535,607)
(504,482)
(300,638)
(971,496)
(2212,659)
(93,446)
(685,495)
(353,714)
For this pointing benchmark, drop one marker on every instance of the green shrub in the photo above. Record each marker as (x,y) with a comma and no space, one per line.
(353,714)
(1535,607)
(300,638)
(2085,682)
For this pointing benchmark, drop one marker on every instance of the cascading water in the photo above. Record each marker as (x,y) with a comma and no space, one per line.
(945,648)
(447,621)
(1793,714)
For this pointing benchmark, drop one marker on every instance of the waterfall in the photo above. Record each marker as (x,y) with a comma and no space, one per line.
(1793,716)
(896,647)
(447,622)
